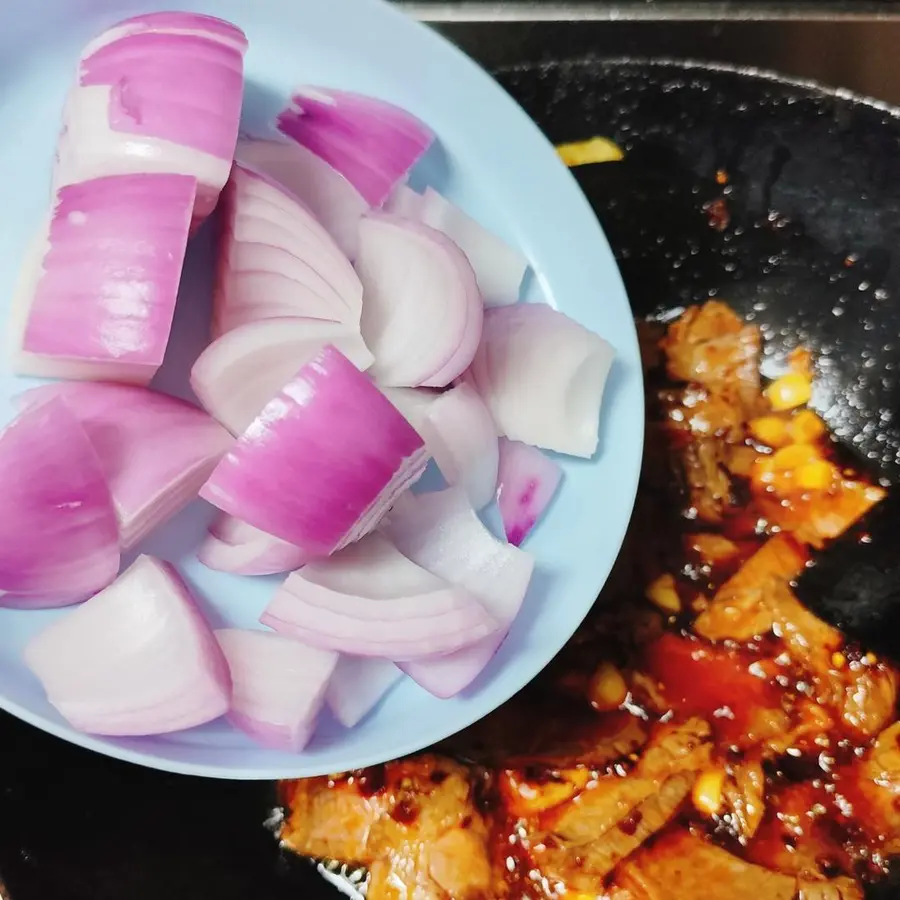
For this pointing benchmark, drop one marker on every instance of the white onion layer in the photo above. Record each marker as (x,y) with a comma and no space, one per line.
(542,376)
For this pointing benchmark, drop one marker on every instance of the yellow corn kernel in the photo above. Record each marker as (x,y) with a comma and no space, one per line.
(794,456)
(870,659)
(770,430)
(608,689)
(663,595)
(838,660)
(596,150)
(805,427)
(707,793)
(789,391)
(815,476)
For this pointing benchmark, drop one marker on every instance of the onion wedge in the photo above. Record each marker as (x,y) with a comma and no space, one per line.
(422,314)
(97,299)
(59,541)
(276,260)
(330,197)
(156,94)
(499,268)
(242,370)
(234,546)
(542,376)
(372,143)
(441,532)
(370,600)
(460,435)
(323,462)
(136,659)
(527,481)
(357,686)
(279,686)
(155,451)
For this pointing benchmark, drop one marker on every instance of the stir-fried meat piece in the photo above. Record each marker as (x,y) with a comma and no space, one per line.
(587,838)
(703,463)
(590,846)
(417,829)
(756,601)
(874,786)
(835,889)
(745,798)
(562,738)
(711,346)
(702,735)
(682,865)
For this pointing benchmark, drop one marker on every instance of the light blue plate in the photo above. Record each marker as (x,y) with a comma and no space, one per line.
(493,162)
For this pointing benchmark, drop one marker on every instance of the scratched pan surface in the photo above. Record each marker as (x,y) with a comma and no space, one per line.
(783,200)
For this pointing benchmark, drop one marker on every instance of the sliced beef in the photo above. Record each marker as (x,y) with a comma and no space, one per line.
(680,865)
(414,824)
(711,346)
(588,837)
(607,827)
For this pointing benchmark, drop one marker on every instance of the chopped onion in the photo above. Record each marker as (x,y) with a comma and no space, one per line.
(323,461)
(414,403)
(370,600)
(372,143)
(136,659)
(279,686)
(240,372)
(357,685)
(499,268)
(422,313)
(157,94)
(59,541)
(326,193)
(542,376)
(276,260)
(97,303)
(462,438)
(442,533)
(237,547)
(173,23)
(155,451)
(404,201)
(526,484)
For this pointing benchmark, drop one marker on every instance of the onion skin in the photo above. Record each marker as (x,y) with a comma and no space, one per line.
(155,451)
(239,372)
(59,539)
(372,143)
(322,463)
(158,93)
(100,298)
